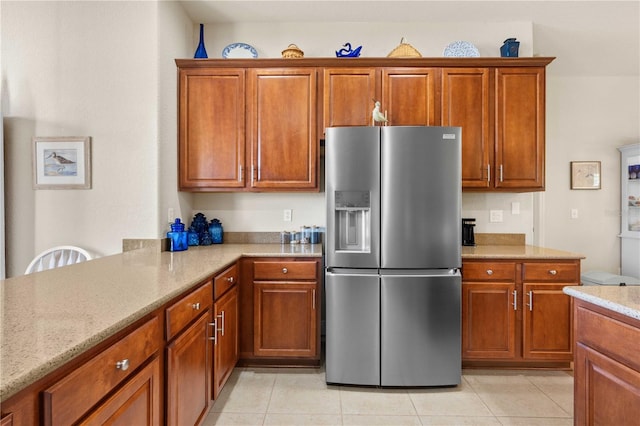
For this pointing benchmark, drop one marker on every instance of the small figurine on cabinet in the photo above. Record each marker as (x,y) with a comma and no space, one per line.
(377,115)
(347,52)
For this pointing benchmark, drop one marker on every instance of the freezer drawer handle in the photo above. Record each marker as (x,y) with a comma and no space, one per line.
(515,300)
(285,270)
(489,272)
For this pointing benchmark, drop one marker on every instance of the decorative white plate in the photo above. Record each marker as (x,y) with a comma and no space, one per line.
(239,50)
(461,49)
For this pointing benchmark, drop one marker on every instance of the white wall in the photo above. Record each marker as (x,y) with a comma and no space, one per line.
(106,69)
(81,69)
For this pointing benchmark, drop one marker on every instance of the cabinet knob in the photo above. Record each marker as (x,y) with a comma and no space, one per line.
(230,279)
(196,306)
(123,365)
(285,270)
(553,272)
(489,271)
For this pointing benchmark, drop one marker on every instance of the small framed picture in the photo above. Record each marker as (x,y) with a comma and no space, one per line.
(585,175)
(62,162)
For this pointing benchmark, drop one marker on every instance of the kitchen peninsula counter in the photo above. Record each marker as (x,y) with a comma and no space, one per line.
(50,317)
(624,300)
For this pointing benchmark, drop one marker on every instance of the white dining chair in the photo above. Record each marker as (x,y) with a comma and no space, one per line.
(56,257)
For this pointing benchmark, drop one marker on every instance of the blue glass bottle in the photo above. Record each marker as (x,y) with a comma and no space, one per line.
(201,52)
(216,231)
(177,236)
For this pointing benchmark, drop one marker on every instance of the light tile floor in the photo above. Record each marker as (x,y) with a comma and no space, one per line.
(486,397)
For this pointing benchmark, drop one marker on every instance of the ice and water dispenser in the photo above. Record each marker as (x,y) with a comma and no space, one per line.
(352,210)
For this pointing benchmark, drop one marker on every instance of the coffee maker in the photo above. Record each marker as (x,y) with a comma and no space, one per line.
(468,238)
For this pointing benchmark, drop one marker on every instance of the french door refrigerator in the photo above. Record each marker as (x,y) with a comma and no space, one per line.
(393,286)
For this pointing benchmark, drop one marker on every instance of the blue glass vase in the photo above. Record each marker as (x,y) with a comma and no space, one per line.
(201,52)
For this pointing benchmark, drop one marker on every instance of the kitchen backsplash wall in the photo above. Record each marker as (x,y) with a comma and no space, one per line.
(265,212)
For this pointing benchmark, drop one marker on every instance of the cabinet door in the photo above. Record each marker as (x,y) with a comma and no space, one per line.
(466,103)
(136,403)
(547,322)
(408,96)
(520,124)
(211,131)
(285,318)
(282,128)
(488,320)
(607,392)
(189,374)
(348,96)
(226,344)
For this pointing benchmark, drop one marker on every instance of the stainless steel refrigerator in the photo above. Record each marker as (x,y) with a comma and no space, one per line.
(393,286)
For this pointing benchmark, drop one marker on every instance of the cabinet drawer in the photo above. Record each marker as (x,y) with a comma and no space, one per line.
(74,395)
(551,271)
(488,271)
(224,281)
(186,309)
(277,270)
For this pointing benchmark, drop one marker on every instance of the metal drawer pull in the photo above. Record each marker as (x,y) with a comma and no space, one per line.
(489,272)
(530,304)
(553,272)
(500,172)
(488,172)
(314,298)
(123,365)
(221,316)
(230,279)
(215,328)
(196,306)
(515,300)
(285,270)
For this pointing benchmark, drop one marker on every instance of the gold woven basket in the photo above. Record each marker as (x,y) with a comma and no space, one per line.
(292,51)
(404,50)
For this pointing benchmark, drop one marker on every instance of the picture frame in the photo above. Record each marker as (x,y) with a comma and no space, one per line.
(62,162)
(585,175)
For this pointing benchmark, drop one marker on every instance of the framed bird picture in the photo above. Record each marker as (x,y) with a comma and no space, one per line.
(62,162)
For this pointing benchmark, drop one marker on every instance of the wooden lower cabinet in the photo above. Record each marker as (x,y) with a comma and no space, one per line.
(607,367)
(225,349)
(111,372)
(285,319)
(515,313)
(136,403)
(188,357)
(280,318)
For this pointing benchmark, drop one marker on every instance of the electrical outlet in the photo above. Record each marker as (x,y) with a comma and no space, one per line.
(287,215)
(574,213)
(495,216)
(171,215)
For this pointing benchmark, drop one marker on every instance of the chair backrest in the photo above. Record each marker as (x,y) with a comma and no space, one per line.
(56,257)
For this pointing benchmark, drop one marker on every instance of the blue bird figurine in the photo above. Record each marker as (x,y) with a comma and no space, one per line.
(347,52)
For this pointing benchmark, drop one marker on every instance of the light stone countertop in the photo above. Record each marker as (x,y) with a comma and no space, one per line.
(50,317)
(516,252)
(624,300)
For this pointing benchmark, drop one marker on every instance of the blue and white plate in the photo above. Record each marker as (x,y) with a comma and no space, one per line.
(239,50)
(462,49)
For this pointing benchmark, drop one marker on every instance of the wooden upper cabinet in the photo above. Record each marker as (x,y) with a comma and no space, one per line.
(520,127)
(409,96)
(466,102)
(348,96)
(282,128)
(211,128)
